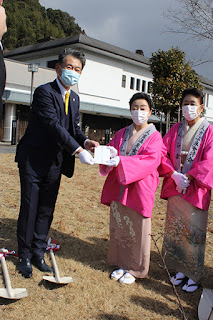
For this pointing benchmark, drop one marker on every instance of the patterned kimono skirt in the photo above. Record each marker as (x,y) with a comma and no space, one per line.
(129,247)
(185,238)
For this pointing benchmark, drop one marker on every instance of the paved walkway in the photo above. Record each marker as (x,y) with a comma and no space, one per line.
(7,148)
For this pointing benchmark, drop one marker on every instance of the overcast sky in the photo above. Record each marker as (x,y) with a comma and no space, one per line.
(133,24)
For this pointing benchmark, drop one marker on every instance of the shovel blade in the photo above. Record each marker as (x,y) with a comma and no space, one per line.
(63,280)
(205,307)
(17,293)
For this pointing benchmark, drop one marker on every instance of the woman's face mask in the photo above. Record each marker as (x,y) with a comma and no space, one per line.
(190,112)
(139,117)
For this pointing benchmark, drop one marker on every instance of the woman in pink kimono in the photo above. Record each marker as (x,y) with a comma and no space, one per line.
(187,166)
(129,190)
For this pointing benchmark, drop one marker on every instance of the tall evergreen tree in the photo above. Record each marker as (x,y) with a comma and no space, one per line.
(28,22)
(171,75)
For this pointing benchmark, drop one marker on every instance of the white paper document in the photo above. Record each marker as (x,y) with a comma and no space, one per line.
(102,154)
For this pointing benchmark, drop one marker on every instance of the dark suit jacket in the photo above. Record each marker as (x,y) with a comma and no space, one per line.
(51,136)
(2,82)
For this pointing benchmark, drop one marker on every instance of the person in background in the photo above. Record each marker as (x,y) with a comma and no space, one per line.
(129,190)
(187,166)
(3,30)
(46,151)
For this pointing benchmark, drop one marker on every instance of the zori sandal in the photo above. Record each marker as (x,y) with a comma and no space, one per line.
(127,278)
(190,286)
(178,278)
(117,274)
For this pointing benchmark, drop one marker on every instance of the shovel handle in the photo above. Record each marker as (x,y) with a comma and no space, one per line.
(54,264)
(211,313)
(6,276)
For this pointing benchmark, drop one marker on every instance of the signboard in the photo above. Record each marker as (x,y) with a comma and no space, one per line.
(107,136)
(14,129)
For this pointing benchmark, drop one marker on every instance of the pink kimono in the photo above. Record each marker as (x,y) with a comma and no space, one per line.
(134,181)
(199,191)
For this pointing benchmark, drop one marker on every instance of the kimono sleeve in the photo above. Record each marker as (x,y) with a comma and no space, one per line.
(203,170)
(138,167)
(103,169)
(166,165)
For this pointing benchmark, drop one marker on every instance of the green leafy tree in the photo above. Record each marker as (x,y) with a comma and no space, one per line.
(171,75)
(28,22)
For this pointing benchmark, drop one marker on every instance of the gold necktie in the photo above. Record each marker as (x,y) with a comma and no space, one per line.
(67,102)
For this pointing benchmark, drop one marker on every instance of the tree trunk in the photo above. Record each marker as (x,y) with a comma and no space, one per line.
(178,114)
(168,120)
(161,129)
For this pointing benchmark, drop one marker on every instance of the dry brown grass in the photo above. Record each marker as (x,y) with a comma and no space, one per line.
(80,226)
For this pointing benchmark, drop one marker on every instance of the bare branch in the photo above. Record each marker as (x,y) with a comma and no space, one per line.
(200,62)
(195,18)
(170,279)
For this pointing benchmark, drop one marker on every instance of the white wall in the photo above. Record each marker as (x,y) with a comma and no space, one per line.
(209,105)
(99,84)
(101,80)
(210,102)
(18,76)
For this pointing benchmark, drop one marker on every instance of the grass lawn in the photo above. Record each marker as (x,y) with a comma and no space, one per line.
(81,227)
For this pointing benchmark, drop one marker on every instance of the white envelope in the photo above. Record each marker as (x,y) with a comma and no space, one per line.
(102,154)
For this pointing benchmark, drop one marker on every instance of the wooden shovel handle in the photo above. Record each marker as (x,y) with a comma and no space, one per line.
(54,264)
(6,276)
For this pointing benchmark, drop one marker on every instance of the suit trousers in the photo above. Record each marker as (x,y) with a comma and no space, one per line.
(38,198)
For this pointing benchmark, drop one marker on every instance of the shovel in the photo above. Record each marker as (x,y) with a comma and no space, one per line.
(56,279)
(205,307)
(9,292)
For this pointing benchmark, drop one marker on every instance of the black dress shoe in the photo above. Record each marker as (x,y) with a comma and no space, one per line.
(41,264)
(25,267)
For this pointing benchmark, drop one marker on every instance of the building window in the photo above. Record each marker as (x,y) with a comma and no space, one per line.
(206,100)
(149,86)
(143,86)
(51,64)
(138,84)
(132,83)
(123,81)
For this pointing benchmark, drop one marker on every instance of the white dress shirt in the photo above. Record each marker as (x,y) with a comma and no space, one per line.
(62,89)
(63,93)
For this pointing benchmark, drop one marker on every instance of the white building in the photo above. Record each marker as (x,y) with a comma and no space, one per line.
(111,76)
(17,96)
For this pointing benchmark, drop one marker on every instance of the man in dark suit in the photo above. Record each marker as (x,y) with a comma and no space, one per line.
(3,29)
(46,151)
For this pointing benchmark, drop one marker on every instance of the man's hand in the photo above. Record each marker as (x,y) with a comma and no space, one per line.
(86,158)
(91,144)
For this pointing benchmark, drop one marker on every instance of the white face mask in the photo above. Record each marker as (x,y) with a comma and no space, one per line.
(190,112)
(139,116)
